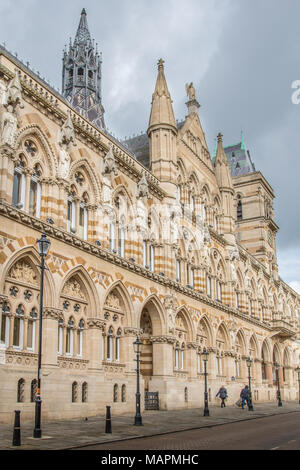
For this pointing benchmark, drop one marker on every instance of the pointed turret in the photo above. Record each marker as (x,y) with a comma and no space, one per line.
(82,75)
(162,113)
(224,181)
(222,169)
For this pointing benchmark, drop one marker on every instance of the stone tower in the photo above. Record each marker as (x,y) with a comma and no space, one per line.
(81,78)
(162,133)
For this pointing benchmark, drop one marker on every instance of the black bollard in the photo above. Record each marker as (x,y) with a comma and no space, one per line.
(17,429)
(108,421)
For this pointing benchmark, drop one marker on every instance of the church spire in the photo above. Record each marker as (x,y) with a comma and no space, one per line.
(222,169)
(161,110)
(82,75)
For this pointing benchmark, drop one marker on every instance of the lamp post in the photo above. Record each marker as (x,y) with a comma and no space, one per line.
(278,385)
(205,354)
(249,363)
(137,349)
(298,372)
(43,248)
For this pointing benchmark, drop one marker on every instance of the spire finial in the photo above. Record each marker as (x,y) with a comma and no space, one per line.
(83,11)
(160,64)
(220,137)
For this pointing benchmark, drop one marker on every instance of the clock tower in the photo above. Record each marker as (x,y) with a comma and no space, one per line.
(81,78)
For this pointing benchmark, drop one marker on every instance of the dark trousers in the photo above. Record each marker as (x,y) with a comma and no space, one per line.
(223,403)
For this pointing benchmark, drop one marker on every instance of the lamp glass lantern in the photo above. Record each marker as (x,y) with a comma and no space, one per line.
(249,362)
(137,346)
(205,354)
(43,245)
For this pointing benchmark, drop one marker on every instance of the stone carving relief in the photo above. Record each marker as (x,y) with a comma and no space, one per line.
(72,288)
(234,256)
(113,301)
(22,271)
(109,164)
(170,304)
(66,135)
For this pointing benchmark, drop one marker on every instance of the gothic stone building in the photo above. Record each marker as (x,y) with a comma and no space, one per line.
(150,236)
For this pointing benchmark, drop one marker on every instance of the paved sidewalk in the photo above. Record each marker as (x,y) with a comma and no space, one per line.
(60,435)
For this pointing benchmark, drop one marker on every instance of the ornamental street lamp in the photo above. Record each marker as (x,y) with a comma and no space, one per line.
(205,354)
(137,349)
(43,248)
(298,372)
(278,385)
(249,364)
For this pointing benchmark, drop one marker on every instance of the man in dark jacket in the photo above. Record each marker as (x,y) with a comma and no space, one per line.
(222,393)
(245,395)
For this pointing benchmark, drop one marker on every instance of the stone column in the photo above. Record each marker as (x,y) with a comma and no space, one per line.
(191,359)
(127,354)
(94,342)
(162,355)
(50,336)
(269,373)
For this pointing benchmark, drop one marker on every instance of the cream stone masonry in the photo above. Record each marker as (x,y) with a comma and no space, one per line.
(181,254)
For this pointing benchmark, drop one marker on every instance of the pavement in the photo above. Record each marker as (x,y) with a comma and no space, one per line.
(77,433)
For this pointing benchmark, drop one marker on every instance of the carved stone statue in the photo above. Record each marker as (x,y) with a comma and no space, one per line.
(190,91)
(9,125)
(66,135)
(12,101)
(2,93)
(109,163)
(14,94)
(142,188)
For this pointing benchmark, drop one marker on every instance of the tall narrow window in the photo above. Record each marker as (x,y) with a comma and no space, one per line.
(60,336)
(19,188)
(84,392)
(239,209)
(118,337)
(208,286)
(21,391)
(219,291)
(144,253)
(71,216)
(178,271)
(112,236)
(192,277)
(31,329)
(80,338)
(152,258)
(83,222)
(33,390)
(199,361)
(182,357)
(176,365)
(110,344)
(18,328)
(74,392)
(70,338)
(121,242)
(5,324)
(237,300)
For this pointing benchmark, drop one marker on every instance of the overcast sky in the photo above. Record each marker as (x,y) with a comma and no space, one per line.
(241,55)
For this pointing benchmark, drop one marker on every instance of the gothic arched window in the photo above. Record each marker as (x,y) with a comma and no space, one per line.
(21,391)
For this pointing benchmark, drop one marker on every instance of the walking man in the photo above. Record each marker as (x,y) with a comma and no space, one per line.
(245,395)
(222,393)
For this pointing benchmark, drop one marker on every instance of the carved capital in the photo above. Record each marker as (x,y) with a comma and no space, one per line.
(96,323)
(130,331)
(163,339)
(192,345)
(52,313)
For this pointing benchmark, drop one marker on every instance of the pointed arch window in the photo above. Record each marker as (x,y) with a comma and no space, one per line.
(80,338)
(35,192)
(84,392)
(5,324)
(176,365)
(19,185)
(118,338)
(74,392)
(152,258)
(31,326)
(21,391)
(121,240)
(178,270)
(110,344)
(71,214)
(18,332)
(60,336)
(182,349)
(239,208)
(112,236)
(208,286)
(219,291)
(70,338)
(33,390)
